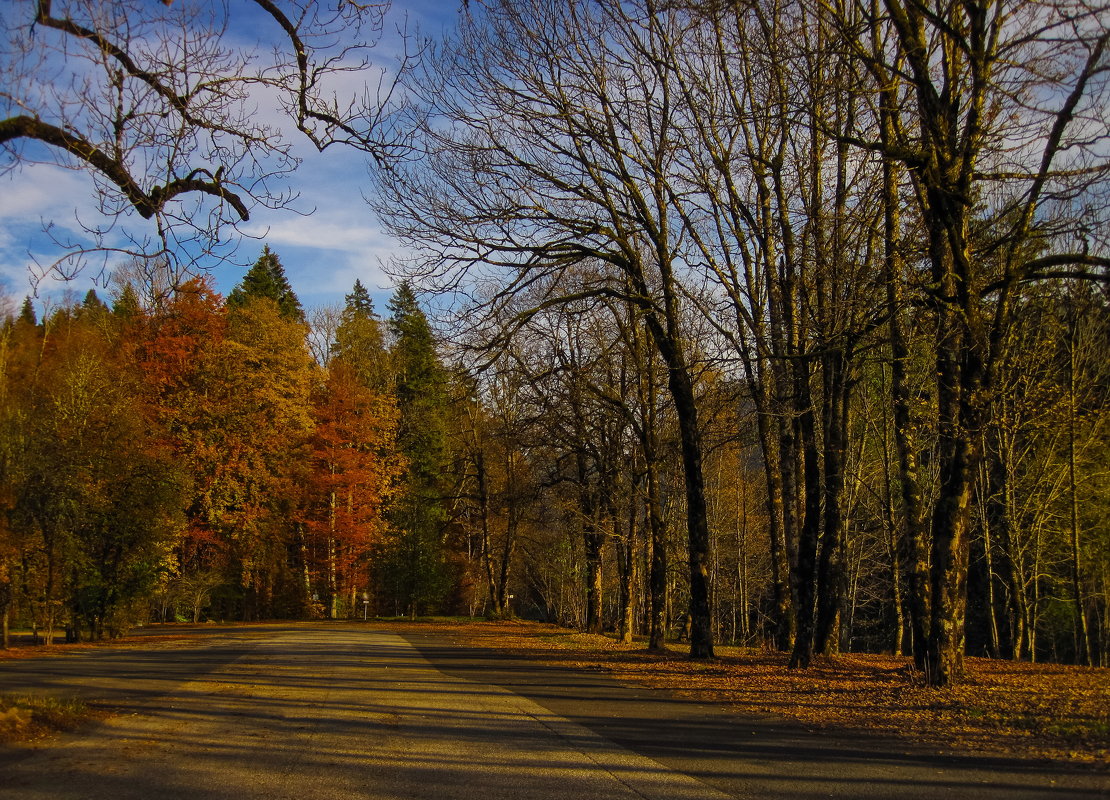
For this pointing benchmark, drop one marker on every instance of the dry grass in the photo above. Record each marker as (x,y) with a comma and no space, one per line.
(1041,711)
(25,718)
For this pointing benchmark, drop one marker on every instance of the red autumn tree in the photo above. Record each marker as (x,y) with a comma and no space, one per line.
(354,464)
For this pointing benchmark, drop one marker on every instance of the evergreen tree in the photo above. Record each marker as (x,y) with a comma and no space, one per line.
(359,343)
(359,301)
(420,385)
(415,569)
(27,312)
(267,279)
(92,305)
(127,304)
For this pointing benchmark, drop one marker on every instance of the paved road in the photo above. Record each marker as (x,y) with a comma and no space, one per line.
(348,711)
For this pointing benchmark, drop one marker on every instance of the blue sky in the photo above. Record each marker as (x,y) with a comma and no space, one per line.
(324,250)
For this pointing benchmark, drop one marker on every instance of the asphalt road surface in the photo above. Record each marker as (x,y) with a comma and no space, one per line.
(350,711)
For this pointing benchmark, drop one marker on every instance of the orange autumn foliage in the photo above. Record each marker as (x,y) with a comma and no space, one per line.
(354,465)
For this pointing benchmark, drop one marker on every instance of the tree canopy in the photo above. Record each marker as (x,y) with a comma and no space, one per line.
(266,279)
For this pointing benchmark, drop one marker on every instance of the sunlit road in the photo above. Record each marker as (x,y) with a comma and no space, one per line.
(347,711)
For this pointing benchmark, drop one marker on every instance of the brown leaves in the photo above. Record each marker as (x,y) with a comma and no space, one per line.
(1028,710)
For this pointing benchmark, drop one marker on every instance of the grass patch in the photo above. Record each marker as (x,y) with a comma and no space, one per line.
(1079,731)
(28,717)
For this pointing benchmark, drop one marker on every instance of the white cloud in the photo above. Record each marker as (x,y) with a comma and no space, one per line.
(326,252)
(321,231)
(45,191)
(32,198)
(323,253)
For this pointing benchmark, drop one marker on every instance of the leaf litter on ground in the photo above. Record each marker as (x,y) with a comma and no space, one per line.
(1050,712)
(1037,711)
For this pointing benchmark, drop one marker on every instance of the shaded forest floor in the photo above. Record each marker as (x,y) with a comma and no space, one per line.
(1039,711)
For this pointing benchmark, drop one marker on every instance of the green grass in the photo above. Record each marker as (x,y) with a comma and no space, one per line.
(1080,730)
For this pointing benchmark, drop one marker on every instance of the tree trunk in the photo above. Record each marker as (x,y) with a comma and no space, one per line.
(592,540)
(512,525)
(697,517)
(899,643)
(741,626)
(1084,644)
(333,587)
(958,371)
(495,598)
(830,566)
(626,563)
(999,536)
(988,559)
(681,387)
(944,656)
(806,568)
(657,633)
(783,616)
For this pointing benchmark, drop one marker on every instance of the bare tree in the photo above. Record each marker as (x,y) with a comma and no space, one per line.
(782,219)
(160,106)
(323,322)
(550,142)
(1005,145)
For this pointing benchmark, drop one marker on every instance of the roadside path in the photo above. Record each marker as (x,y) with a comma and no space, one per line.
(351,711)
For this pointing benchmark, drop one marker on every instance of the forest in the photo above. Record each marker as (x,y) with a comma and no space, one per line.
(200,458)
(776,323)
(192,461)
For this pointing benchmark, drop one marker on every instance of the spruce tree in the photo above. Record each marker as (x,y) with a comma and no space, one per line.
(416,570)
(127,304)
(359,301)
(92,305)
(267,279)
(27,313)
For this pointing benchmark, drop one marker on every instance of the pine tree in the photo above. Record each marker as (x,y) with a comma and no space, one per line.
(267,279)
(127,304)
(359,301)
(420,385)
(415,568)
(92,305)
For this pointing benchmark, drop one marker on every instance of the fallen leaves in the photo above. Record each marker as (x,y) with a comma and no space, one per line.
(1041,711)
(1033,711)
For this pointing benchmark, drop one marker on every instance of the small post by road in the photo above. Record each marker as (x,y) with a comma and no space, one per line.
(365,605)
